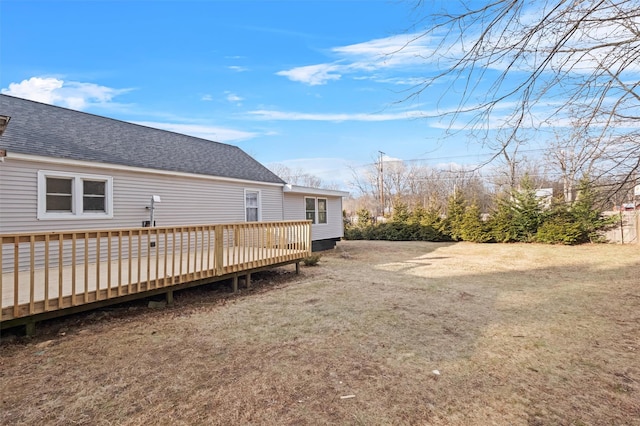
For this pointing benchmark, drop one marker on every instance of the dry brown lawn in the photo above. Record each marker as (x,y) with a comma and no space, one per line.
(519,334)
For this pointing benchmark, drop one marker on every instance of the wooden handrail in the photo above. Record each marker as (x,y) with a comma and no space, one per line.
(47,271)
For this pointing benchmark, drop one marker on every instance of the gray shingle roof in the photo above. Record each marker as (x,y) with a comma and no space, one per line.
(40,129)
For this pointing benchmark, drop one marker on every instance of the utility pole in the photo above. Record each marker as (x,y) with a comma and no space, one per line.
(381,182)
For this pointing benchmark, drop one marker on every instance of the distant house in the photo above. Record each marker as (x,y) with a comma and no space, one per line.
(68,170)
(545,197)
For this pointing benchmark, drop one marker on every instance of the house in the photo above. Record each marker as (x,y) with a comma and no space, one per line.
(322,207)
(68,170)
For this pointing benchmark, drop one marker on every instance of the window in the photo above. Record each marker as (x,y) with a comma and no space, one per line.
(252,205)
(63,195)
(59,194)
(310,209)
(93,195)
(322,210)
(316,210)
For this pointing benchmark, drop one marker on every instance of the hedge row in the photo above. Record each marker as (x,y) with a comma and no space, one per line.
(518,217)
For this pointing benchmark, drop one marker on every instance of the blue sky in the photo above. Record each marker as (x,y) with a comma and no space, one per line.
(314,85)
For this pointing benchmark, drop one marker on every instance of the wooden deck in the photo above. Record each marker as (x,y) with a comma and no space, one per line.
(53,272)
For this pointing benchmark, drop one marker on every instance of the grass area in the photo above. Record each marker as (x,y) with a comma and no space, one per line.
(519,334)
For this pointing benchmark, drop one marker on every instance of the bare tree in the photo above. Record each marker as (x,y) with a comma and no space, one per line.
(297,176)
(417,185)
(550,63)
(576,155)
(366,182)
(511,164)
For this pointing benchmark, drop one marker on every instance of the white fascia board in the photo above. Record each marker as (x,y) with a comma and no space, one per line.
(96,165)
(295,189)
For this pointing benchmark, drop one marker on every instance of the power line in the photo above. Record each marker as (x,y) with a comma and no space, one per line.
(448,157)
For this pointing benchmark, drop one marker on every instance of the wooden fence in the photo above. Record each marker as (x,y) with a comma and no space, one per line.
(44,272)
(628,229)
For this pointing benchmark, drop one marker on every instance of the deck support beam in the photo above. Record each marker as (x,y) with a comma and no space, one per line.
(247,280)
(169,295)
(297,268)
(234,283)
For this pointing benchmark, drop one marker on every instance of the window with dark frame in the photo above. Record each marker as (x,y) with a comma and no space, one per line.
(322,210)
(94,195)
(59,194)
(310,207)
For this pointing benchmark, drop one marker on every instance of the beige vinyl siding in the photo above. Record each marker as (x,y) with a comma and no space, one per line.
(185,201)
(294,209)
(139,246)
(334,217)
(17,197)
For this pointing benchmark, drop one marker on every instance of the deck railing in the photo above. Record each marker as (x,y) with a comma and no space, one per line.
(48,271)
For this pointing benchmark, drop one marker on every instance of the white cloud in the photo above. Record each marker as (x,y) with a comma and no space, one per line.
(70,94)
(400,81)
(388,159)
(454,167)
(218,134)
(396,52)
(389,52)
(331,170)
(403,53)
(314,75)
(540,115)
(301,116)
(35,89)
(232,97)
(340,171)
(238,68)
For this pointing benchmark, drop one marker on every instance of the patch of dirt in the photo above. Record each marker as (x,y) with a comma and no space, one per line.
(377,333)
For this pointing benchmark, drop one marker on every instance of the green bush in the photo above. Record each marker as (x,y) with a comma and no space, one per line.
(353,233)
(400,213)
(364,218)
(311,260)
(559,229)
(395,231)
(586,214)
(519,217)
(472,228)
(452,224)
(575,224)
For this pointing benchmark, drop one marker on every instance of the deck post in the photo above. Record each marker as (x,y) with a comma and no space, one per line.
(218,250)
(234,283)
(297,268)
(248,279)
(169,295)
(30,328)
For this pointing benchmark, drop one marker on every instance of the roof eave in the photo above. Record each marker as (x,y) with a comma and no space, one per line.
(297,189)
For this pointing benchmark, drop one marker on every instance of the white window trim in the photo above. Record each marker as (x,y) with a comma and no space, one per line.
(76,196)
(316,220)
(259,203)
